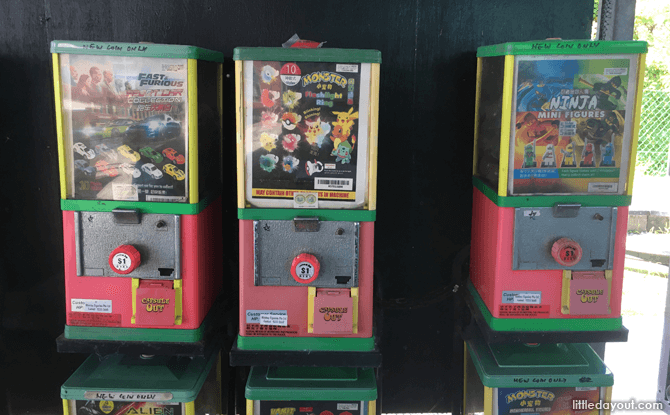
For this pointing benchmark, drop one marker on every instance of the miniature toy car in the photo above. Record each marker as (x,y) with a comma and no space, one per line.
(152,154)
(130,170)
(96,128)
(152,171)
(116,128)
(173,171)
(161,126)
(82,166)
(81,149)
(129,153)
(106,168)
(172,154)
(106,152)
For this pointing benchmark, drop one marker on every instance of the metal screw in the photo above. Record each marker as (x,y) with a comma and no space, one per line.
(598,216)
(90,218)
(339,231)
(160,224)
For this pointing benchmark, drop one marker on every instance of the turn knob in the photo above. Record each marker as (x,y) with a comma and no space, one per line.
(124,259)
(566,252)
(305,268)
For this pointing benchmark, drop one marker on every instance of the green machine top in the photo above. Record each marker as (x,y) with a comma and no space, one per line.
(563,47)
(311,383)
(541,365)
(308,55)
(146,50)
(160,378)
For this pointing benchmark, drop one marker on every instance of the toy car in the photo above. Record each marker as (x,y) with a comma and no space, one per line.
(106,152)
(83,167)
(106,168)
(160,126)
(81,149)
(130,170)
(152,171)
(116,128)
(129,153)
(172,154)
(173,171)
(152,154)
(96,128)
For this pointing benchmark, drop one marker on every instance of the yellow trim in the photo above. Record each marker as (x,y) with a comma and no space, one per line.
(218,382)
(193,131)
(488,401)
(250,404)
(354,311)
(373,136)
(465,373)
(239,126)
(311,293)
(66,403)
(641,67)
(478,91)
(178,312)
(506,116)
(372,407)
(608,277)
(135,284)
(189,408)
(607,398)
(565,292)
(58,93)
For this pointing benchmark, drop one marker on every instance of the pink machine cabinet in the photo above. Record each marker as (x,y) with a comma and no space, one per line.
(554,268)
(135,276)
(306,284)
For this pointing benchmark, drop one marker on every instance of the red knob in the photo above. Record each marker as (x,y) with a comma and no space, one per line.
(566,252)
(305,268)
(124,259)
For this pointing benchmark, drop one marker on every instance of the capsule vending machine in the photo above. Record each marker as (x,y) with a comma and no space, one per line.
(555,144)
(139,143)
(307,168)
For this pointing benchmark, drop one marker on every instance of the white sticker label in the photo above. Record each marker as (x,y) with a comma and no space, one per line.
(305,200)
(124,191)
(273,320)
(128,396)
(616,71)
(333,184)
(346,68)
(522,297)
(603,187)
(254,316)
(90,306)
(347,407)
(531,213)
(155,198)
(568,128)
(290,80)
(122,261)
(330,166)
(586,388)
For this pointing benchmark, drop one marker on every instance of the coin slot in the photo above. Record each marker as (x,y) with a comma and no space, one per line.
(597,263)
(165,272)
(343,280)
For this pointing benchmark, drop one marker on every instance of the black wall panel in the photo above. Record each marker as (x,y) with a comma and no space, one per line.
(426,127)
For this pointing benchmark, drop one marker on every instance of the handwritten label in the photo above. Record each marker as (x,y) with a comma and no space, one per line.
(129,396)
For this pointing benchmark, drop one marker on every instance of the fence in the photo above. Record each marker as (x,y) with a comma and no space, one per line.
(654,139)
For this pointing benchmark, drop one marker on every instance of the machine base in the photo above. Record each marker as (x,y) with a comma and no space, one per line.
(344,344)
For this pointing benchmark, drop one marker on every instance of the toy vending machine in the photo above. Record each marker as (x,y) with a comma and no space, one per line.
(307,158)
(554,157)
(139,143)
(126,385)
(535,378)
(311,390)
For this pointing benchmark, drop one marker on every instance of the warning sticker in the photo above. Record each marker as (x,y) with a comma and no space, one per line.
(524,310)
(271,331)
(94,319)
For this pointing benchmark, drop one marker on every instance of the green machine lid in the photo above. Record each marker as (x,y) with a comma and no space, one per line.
(541,365)
(308,55)
(147,50)
(159,378)
(311,383)
(563,47)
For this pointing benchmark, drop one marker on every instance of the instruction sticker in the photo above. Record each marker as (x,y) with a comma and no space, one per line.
(91,306)
(522,297)
(523,310)
(267,317)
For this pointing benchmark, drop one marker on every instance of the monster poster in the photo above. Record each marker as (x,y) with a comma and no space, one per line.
(125,127)
(547,401)
(306,131)
(571,119)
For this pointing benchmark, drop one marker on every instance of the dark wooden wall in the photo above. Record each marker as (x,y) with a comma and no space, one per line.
(425,134)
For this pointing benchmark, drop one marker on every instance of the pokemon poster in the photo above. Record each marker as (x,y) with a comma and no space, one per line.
(570,125)
(306,128)
(547,401)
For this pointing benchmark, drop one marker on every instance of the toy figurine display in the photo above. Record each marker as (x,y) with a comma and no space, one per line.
(548,240)
(307,157)
(140,138)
